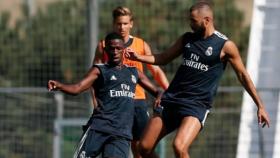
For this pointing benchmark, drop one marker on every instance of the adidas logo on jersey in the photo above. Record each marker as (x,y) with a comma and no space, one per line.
(188,45)
(113,78)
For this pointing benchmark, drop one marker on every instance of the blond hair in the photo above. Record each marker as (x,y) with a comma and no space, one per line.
(122,11)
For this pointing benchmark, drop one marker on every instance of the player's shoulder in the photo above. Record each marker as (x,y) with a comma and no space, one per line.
(220,35)
(188,34)
(101,43)
(97,68)
(137,44)
(137,40)
(100,46)
(229,45)
(101,65)
(187,37)
(131,68)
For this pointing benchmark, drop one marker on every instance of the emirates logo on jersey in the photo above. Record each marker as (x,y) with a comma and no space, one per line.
(194,62)
(209,51)
(125,91)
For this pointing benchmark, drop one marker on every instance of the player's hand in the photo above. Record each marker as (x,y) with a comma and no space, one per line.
(52,85)
(157,109)
(157,103)
(158,98)
(263,118)
(131,54)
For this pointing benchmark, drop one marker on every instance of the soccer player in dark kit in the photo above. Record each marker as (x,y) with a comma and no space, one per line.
(123,20)
(110,127)
(189,97)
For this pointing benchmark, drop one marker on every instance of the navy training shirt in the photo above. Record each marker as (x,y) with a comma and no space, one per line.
(196,80)
(115,91)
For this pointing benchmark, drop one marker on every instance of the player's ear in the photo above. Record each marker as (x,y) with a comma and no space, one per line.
(206,20)
(131,23)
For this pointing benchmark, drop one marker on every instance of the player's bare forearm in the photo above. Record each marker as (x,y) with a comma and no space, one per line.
(72,89)
(156,92)
(160,58)
(78,87)
(147,84)
(130,54)
(159,76)
(154,59)
(262,115)
(247,83)
(162,81)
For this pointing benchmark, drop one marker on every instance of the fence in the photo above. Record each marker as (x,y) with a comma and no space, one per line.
(33,124)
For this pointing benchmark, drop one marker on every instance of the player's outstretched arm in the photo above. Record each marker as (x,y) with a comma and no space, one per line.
(155,70)
(232,55)
(75,88)
(157,59)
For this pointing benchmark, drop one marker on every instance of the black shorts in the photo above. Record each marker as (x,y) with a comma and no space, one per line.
(172,114)
(141,118)
(108,145)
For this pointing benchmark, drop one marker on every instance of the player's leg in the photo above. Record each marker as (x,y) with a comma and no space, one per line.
(93,143)
(116,147)
(134,148)
(80,146)
(154,131)
(191,124)
(141,118)
(164,121)
(89,122)
(187,132)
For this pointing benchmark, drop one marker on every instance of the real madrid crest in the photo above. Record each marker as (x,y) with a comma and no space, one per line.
(133,79)
(209,51)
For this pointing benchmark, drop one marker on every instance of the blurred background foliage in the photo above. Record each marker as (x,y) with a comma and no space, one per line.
(53,42)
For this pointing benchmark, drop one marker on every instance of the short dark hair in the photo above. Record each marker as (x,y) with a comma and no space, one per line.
(112,36)
(201,4)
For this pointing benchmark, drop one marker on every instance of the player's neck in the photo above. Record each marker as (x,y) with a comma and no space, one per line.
(126,39)
(209,32)
(119,66)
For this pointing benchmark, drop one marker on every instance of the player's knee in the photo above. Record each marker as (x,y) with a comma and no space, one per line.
(180,148)
(145,148)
